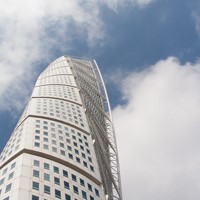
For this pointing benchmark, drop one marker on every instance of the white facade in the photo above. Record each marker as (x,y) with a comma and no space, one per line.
(63,146)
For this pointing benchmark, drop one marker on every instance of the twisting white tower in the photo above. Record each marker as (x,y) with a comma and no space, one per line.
(63,146)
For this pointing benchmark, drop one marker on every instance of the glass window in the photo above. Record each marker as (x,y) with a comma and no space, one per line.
(58,194)
(75,189)
(65,173)
(56,180)
(37,144)
(91,168)
(10,175)
(36,163)
(56,169)
(74,177)
(8,187)
(89,187)
(4,171)
(46,165)
(35,185)
(36,173)
(84,195)
(7,198)
(62,152)
(13,165)
(97,192)
(70,155)
(67,197)
(46,177)
(78,160)
(66,184)
(82,182)
(2,181)
(35,197)
(84,163)
(46,189)
(91,198)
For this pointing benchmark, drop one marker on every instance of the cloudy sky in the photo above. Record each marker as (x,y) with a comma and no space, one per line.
(149,54)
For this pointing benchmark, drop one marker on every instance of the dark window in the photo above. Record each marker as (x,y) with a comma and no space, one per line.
(65,173)
(74,177)
(82,182)
(84,194)
(56,169)
(35,197)
(67,197)
(66,184)
(58,194)
(35,185)
(46,189)
(75,189)
(56,180)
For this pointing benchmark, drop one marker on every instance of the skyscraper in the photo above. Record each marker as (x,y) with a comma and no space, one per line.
(63,146)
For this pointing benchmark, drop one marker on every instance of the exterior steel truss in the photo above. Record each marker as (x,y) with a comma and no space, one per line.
(98,112)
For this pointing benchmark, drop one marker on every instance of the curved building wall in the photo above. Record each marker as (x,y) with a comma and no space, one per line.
(54,153)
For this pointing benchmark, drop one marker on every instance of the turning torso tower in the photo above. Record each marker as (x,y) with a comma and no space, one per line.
(63,146)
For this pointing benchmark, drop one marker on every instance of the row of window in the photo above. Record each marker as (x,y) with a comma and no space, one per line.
(61,178)
(58,193)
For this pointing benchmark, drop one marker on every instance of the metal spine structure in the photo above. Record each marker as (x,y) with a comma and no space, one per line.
(94,95)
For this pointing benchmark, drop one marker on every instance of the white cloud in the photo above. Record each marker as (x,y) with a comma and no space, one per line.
(158,132)
(116,4)
(29,30)
(196,18)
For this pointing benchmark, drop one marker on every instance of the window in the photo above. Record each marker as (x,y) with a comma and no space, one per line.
(46,177)
(56,180)
(75,189)
(84,163)
(70,155)
(8,187)
(82,182)
(97,192)
(65,173)
(67,197)
(66,184)
(36,163)
(76,151)
(62,152)
(61,145)
(36,173)
(7,198)
(74,177)
(37,144)
(83,155)
(10,175)
(91,168)
(35,185)
(89,187)
(91,198)
(13,165)
(2,181)
(46,189)
(69,148)
(4,171)
(54,149)
(78,160)
(56,169)
(45,146)
(84,194)
(46,166)
(35,197)
(58,194)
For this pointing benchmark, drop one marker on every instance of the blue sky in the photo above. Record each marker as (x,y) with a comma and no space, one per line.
(148,52)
